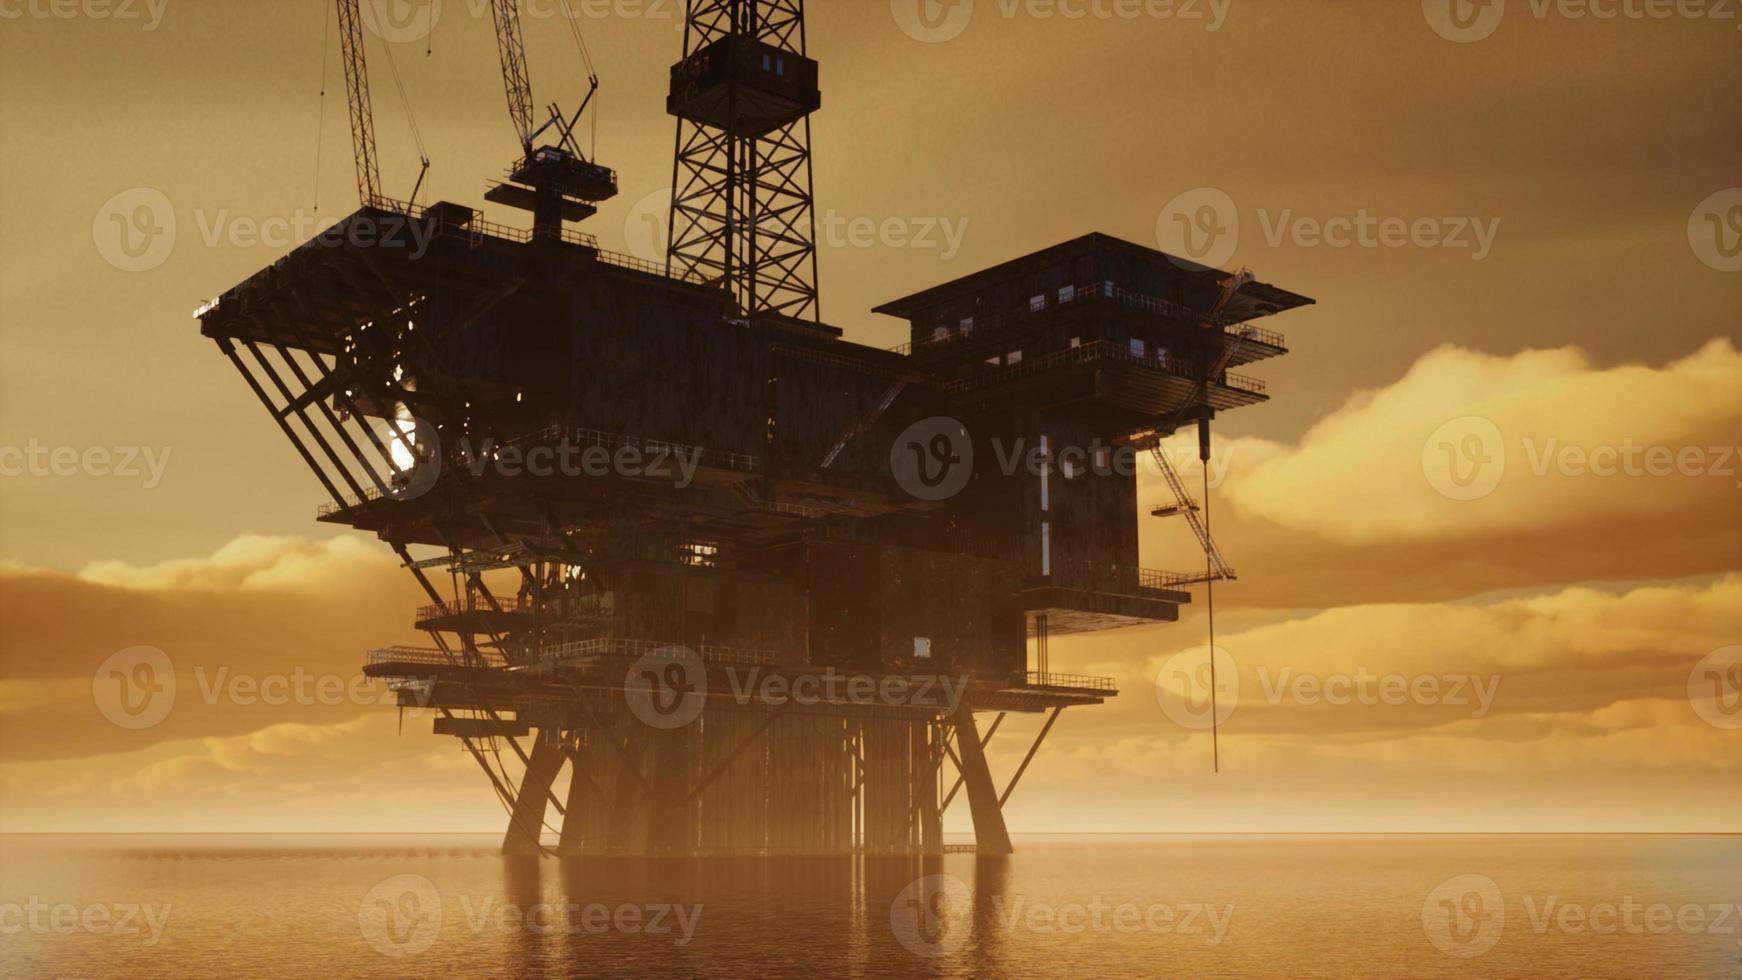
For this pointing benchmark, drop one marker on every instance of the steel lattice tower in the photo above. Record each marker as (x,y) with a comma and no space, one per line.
(742,212)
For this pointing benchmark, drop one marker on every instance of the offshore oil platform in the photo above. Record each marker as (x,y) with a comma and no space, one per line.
(752,583)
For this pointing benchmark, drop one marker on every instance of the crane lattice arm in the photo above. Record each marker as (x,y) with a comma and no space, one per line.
(357,97)
(511,45)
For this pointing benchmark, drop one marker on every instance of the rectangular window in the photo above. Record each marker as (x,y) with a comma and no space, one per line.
(966,326)
(1037,303)
(1076,342)
(1138,348)
(1067,293)
(1013,358)
(922,648)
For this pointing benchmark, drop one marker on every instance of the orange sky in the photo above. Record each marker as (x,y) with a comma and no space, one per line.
(1596,319)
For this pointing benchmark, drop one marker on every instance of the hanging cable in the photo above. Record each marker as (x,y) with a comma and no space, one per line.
(321,127)
(411,117)
(1210,602)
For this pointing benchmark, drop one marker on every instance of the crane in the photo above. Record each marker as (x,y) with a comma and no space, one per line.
(356,66)
(357,97)
(555,182)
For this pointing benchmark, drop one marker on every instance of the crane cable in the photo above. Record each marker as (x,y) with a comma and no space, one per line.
(410,116)
(321,122)
(587,60)
(1210,602)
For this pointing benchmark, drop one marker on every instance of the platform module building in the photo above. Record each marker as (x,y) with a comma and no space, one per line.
(750,582)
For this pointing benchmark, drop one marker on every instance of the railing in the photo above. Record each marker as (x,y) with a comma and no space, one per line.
(430,657)
(1104,578)
(351,501)
(1101,350)
(658,649)
(615,440)
(476,605)
(477,229)
(640,264)
(1071,682)
(1092,292)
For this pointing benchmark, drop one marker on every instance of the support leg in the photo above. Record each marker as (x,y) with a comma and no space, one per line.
(527,821)
(990,834)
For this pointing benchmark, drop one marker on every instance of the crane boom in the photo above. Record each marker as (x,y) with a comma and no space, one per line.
(511,45)
(357,97)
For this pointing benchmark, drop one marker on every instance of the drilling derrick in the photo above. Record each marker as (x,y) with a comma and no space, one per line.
(756,589)
(742,214)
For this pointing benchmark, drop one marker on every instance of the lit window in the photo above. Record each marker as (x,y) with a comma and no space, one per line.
(940,333)
(1067,293)
(1076,342)
(1138,348)
(922,648)
(967,325)
(698,554)
(1037,303)
(1013,358)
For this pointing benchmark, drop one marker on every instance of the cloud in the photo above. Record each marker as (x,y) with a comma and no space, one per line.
(265,631)
(1355,512)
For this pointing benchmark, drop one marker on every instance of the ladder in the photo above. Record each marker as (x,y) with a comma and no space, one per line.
(1187,507)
